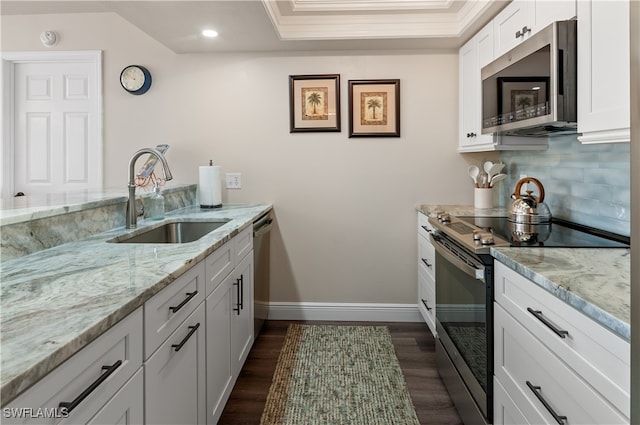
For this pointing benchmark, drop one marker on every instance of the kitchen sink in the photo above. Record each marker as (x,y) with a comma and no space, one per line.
(173,232)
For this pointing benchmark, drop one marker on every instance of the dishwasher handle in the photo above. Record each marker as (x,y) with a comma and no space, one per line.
(262,225)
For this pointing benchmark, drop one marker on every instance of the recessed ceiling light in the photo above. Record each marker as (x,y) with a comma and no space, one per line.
(210,33)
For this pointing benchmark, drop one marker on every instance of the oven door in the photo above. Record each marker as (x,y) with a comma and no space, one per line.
(464,317)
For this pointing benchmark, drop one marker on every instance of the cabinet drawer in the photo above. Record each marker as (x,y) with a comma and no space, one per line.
(427,298)
(427,255)
(599,356)
(525,367)
(125,408)
(218,265)
(243,243)
(505,411)
(424,227)
(122,343)
(169,307)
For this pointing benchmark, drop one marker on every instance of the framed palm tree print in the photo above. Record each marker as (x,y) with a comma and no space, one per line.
(374,108)
(314,103)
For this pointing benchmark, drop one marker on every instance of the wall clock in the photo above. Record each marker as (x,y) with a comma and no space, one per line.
(135,79)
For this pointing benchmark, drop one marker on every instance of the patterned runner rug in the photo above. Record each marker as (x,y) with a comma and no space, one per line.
(338,375)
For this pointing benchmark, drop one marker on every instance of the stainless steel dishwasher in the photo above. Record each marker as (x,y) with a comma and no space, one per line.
(261,229)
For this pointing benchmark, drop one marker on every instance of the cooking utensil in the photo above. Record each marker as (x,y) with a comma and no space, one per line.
(527,208)
(473,172)
(493,170)
(487,166)
(483,179)
(496,179)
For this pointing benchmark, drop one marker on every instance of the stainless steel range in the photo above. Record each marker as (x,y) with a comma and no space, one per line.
(464,296)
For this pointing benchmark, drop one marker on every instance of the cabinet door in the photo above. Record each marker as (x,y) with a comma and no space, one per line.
(603,80)
(475,54)
(126,407)
(242,313)
(509,25)
(548,12)
(175,375)
(219,373)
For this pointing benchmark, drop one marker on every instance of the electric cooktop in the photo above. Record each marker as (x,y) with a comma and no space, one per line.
(558,234)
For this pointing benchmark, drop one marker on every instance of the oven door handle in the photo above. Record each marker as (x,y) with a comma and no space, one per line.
(475,272)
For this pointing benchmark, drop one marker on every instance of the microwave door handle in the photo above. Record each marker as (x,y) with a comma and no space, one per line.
(476,273)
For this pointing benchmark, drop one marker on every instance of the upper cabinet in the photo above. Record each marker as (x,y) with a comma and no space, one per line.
(603,71)
(475,54)
(523,18)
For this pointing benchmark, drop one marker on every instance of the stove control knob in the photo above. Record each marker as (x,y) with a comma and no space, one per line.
(476,235)
(445,218)
(487,239)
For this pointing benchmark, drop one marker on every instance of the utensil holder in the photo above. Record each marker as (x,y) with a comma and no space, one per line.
(483,197)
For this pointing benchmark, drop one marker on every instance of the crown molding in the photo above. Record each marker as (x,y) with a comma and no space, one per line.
(415,24)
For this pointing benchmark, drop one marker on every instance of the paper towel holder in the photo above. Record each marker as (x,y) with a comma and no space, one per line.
(210,196)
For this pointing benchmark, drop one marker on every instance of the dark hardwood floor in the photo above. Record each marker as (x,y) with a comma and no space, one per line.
(415,348)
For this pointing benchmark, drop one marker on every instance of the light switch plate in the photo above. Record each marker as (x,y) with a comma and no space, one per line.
(233,180)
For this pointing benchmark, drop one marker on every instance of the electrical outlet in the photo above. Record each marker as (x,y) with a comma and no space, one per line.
(234,180)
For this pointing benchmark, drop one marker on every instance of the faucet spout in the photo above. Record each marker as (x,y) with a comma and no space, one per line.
(132,214)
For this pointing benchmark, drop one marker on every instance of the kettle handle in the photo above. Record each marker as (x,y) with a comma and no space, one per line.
(517,190)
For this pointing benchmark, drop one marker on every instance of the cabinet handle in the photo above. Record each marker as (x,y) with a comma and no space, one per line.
(237,307)
(471,134)
(241,299)
(538,315)
(425,304)
(427,229)
(69,406)
(424,260)
(523,31)
(536,390)
(193,330)
(186,300)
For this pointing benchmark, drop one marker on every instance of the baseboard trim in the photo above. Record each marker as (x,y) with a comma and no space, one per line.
(350,312)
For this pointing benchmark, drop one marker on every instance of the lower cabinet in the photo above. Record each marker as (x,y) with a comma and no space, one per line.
(175,375)
(100,384)
(553,364)
(242,313)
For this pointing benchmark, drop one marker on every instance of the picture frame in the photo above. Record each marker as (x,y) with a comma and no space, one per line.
(374,108)
(314,103)
(523,97)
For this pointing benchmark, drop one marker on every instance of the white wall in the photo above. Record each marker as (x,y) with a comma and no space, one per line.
(345,208)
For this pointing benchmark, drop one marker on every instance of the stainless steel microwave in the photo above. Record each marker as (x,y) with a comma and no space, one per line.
(531,89)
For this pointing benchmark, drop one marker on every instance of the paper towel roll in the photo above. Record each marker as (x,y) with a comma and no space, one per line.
(210,186)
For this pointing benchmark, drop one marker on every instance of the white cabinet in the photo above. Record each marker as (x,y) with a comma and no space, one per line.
(426,273)
(553,361)
(603,71)
(523,18)
(229,316)
(220,377)
(475,54)
(175,375)
(241,313)
(85,387)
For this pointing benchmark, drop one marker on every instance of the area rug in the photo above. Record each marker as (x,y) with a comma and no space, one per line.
(338,375)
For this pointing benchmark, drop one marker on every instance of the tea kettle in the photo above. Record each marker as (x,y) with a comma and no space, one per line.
(526,208)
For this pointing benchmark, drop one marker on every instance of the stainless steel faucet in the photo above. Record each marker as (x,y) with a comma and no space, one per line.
(132,213)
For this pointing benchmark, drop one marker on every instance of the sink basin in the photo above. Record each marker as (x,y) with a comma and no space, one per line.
(173,232)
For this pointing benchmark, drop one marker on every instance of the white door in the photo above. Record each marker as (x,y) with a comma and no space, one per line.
(55,123)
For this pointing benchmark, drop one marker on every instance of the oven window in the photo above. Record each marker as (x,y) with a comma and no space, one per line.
(461,310)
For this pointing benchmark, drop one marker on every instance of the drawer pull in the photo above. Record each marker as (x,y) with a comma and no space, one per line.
(521,33)
(425,304)
(427,229)
(193,330)
(424,260)
(186,300)
(538,315)
(536,390)
(69,406)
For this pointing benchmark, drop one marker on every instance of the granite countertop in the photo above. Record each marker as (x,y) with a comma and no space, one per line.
(595,281)
(56,301)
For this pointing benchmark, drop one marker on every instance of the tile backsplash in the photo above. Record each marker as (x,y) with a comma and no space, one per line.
(586,184)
